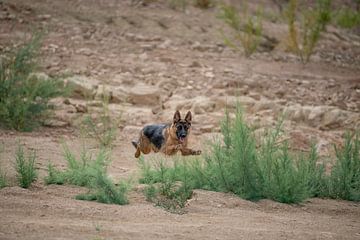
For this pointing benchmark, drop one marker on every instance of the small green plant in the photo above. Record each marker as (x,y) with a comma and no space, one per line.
(91,173)
(150,193)
(103,127)
(103,190)
(81,171)
(178,4)
(313,22)
(344,180)
(347,18)
(247,28)
(25,167)
(23,95)
(168,187)
(3,182)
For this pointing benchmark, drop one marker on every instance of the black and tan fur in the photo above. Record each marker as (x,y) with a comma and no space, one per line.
(166,138)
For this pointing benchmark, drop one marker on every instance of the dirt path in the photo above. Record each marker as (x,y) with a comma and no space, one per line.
(154,60)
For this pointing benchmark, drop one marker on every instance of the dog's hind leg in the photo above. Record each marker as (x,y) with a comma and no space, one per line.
(135,144)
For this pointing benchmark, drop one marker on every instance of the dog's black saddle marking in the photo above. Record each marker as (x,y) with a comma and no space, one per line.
(155,134)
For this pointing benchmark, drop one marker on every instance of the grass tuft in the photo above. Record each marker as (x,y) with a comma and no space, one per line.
(23,95)
(347,18)
(302,41)
(25,167)
(344,182)
(80,172)
(247,29)
(103,190)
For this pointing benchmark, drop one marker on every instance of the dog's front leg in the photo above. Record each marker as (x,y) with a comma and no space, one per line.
(172,149)
(188,151)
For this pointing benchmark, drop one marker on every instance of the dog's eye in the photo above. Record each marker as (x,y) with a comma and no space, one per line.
(186,128)
(179,127)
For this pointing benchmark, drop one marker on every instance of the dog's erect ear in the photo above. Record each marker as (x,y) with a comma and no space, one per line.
(177,116)
(188,117)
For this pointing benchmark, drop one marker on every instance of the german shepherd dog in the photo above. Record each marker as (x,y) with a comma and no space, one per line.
(166,138)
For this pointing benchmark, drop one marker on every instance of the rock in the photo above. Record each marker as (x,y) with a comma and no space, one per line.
(83,87)
(85,51)
(232,101)
(314,117)
(334,119)
(119,95)
(103,92)
(207,128)
(80,108)
(203,104)
(55,123)
(142,94)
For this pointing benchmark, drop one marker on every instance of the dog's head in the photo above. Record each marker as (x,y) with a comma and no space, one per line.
(182,126)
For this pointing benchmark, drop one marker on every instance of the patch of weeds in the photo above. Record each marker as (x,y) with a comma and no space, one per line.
(81,171)
(247,29)
(3,182)
(347,18)
(344,181)
(168,187)
(302,41)
(103,127)
(91,173)
(103,190)
(178,4)
(25,167)
(54,176)
(23,95)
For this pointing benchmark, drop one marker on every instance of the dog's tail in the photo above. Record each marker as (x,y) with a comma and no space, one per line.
(135,144)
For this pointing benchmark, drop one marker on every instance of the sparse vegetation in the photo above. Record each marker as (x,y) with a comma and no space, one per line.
(178,4)
(23,95)
(90,173)
(236,165)
(25,167)
(344,181)
(81,171)
(103,127)
(247,29)
(103,190)
(3,182)
(347,18)
(302,41)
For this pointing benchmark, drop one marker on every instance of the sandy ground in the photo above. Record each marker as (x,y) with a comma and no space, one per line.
(154,60)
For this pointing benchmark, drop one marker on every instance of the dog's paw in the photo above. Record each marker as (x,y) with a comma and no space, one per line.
(196,152)
(178,147)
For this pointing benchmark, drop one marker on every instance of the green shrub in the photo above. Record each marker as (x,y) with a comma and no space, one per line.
(102,128)
(23,95)
(178,4)
(247,29)
(344,180)
(3,182)
(103,190)
(81,171)
(25,167)
(169,187)
(313,22)
(235,164)
(347,18)
(90,173)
